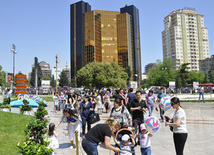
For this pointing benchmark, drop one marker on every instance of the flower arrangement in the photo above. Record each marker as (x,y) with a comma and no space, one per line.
(5,104)
(25,106)
(36,142)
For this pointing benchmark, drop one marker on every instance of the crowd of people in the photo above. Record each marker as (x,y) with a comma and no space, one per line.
(125,109)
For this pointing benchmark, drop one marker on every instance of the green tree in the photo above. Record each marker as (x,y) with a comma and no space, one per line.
(39,76)
(183,74)
(211,76)
(47,77)
(129,72)
(161,73)
(63,79)
(100,75)
(195,76)
(3,82)
(53,81)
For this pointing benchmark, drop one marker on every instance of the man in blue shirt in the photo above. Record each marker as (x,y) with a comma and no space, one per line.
(130,97)
(159,97)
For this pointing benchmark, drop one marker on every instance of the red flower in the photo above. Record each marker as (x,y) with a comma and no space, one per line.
(32,131)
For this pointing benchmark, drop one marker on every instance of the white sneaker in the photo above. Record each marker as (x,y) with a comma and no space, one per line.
(73,148)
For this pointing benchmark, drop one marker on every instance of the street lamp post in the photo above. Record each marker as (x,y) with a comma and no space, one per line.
(14,52)
(138,84)
(164,68)
(57,57)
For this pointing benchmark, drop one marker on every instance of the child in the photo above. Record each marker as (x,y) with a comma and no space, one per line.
(144,137)
(52,135)
(125,145)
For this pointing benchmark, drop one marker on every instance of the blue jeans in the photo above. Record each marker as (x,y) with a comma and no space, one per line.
(146,151)
(150,110)
(201,94)
(89,147)
(84,121)
(161,113)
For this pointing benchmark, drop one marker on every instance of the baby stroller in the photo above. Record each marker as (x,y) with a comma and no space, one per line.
(126,129)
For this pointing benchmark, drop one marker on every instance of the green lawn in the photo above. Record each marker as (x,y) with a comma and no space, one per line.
(48,99)
(12,128)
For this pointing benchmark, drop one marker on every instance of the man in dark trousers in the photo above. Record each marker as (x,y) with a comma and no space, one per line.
(130,97)
(138,107)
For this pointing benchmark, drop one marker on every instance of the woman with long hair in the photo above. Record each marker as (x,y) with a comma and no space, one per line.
(179,125)
(74,124)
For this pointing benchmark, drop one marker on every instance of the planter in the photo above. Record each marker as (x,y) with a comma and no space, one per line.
(15,110)
(28,113)
(5,109)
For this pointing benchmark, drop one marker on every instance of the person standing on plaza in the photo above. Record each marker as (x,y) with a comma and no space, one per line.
(150,100)
(201,93)
(159,97)
(100,133)
(138,107)
(130,97)
(120,113)
(99,103)
(56,101)
(74,124)
(86,108)
(179,126)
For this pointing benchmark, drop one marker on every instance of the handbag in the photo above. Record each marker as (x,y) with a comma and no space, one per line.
(171,127)
(93,118)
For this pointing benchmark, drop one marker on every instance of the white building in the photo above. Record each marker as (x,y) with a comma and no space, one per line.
(185,38)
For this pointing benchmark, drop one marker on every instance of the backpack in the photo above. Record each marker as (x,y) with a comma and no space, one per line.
(123,108)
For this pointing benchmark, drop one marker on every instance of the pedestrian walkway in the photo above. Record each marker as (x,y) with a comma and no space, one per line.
(200,125)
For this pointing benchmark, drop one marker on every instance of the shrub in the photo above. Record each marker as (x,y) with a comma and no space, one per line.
(25,107)
(36,142)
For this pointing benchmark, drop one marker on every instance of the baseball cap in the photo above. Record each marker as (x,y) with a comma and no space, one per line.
(142,126)
(125,137)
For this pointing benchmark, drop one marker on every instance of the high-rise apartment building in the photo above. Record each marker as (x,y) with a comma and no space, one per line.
(185,38)
(107,36)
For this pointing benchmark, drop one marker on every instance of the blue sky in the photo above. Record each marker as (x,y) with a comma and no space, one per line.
(42,28)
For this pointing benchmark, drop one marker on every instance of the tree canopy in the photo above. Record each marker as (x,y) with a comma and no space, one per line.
(63,79)
(163,72)
(100,75)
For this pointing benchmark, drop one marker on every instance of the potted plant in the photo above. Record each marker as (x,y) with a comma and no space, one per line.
(25,108)
(4,106)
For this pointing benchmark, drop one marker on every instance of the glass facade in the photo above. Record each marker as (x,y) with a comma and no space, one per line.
(105,36)
(125,41)
(133,11)
(92,31)
(109,35)
(77,11)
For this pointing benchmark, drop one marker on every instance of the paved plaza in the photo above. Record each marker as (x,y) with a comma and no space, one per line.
(200,125)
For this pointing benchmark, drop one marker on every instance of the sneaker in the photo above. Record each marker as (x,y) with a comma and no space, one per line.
(73,147)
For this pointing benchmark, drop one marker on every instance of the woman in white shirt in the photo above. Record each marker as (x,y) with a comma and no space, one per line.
(179,126)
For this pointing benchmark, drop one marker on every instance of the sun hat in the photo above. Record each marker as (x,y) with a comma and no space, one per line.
(142,126)
(125,137)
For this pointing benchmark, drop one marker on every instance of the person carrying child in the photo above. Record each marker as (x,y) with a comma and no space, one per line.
(144,137)
(126,146)
(52,135)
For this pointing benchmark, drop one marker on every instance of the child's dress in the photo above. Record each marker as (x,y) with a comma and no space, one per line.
(54,144)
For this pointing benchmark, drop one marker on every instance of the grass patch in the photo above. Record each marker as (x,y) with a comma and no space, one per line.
(48,99)
(12,131)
